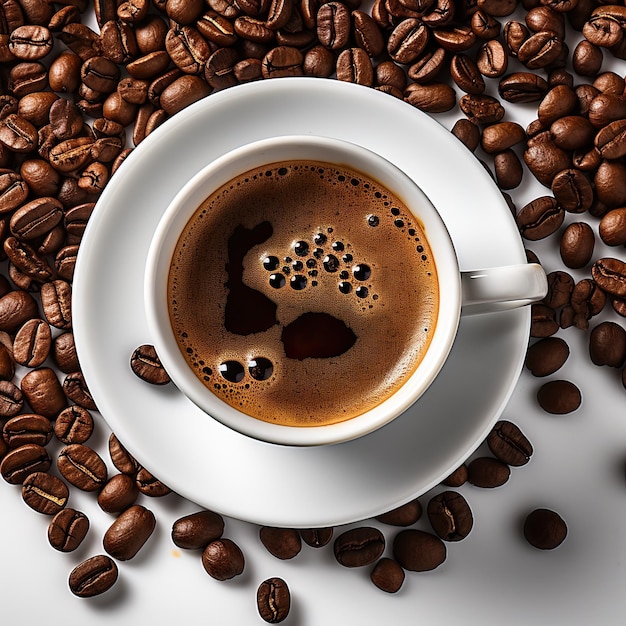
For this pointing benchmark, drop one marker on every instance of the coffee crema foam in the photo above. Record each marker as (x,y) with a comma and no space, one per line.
(303,293)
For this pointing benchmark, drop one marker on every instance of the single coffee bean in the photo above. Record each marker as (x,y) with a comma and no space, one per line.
(367,33)
(404,515)
(19,463)
(543,321)
(56,302)
(129,532)
(359,546)
(450,516)
(467,132)
(76,390)
(572,190)
(320,62)
(501,136)
(577,244)
(481,109)
(121,458)
(540,49)
(457,478)
(508,169)
(223,559)
(74,424)
(604,108)
(16,308)
(11,399)
(119,493)
(283,543)
(333,25)
(43,392)
(67,530)
(283,61)
(45,493)
(273,600)
(540,218)
(426,68)
(18,134)
(27,77)
(466,74)
(82,467)
(387,575)
(93,576)
(612,227)
(418,551)
(354,66)
(183,91)
(492,59)
(317,537)
(607,344)
(434,97)
(407,40)
(544,529)
(572,132)
(145,364)
(487,472)
(611,140)
(27,428)
(27,261)
(545,159)
(14,191)
(197,530)
(559,397)
(610,275)
(522,87)
(7,363)
(36,218)
(150,485)
(560,287)
(546,356)
(32,343)
(64,352)
(509,444)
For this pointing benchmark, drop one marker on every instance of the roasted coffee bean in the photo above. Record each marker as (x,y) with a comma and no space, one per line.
(43,392)
(32,343)
(508,169)
(484,26)
(282,61)
(467,132)
(93,576)
(522,87)
(82,467)
(466,74)
(572,190)
(545,159)
(605,108)
(586,301)
(219,70)
(544,529)
(508,443)
(67,530)
(577,244)
(543,321)
(559,397)
(64,72)
(418,551)
(427,67)
(540,218)
(11,399)
(611,140)
(481,109)
(560,287)
(359,546)
(407,40)
(182,92)
(13,191)
(501,136)
(603,31)
(403,515)
(487,472)
(121,458)
(320,62)
(74,424)
(283,543)
(119,493)
(540,49)
(333,25)
(587,58)
(454,38)
(150,485)
(215,28)
(76,390)
(18,134)
(56,301)
(64,352)
(36,218)
(610,183)
(26,260)
(367,33)
(607,344)
(19,463)
(387,575)
(45,493)
(129,532)
(27,77)
(450,516)
(273,600)
(317,537)
(197,530)
(30,42)
(145,364)
(612,227)
(434,97)
(187,48)
(223,559)
(354,66)
(35,107)
(542,18)
(27,428)
(7,363)
(492,59)
(610,275)
(572,132)
(457,478)
(65,262)
(546,356)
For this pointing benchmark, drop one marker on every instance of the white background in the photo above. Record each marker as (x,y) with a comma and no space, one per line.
(492,577)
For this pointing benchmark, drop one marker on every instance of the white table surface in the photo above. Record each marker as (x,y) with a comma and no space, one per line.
(492,577)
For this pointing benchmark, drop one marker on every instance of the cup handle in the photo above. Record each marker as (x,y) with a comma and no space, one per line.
(502,288)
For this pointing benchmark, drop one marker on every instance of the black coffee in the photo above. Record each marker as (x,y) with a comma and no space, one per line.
(303,293)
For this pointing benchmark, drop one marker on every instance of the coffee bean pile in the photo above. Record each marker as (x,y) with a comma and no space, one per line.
(72,99)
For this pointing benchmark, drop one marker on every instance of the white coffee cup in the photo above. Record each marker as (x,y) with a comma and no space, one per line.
(460,292)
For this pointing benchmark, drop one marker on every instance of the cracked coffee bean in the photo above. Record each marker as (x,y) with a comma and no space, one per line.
(45,493)
(450,516)
(67,530)
(273,600)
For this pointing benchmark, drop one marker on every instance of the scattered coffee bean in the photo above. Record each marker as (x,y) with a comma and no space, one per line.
(197,530)
(388,575)
(93,576)
(607,344)
(82,467)
(19,463)
(27,428)
(74,424)
(418,551)
(121,458)
(359,546)
(273,600)
(509,444)
(317,537)
(404,515)
(67,530)
(129,532)
(118,493)
(546,356)
(150,485)
(145,364)
(559,397)
(457,478)
(223,559)
(45,493)
(450,516)
(544,529)
(283,543)
(487,472)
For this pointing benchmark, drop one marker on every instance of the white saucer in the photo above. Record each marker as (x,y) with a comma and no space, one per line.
(240,477)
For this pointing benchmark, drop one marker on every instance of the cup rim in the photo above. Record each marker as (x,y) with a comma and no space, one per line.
(242,159)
